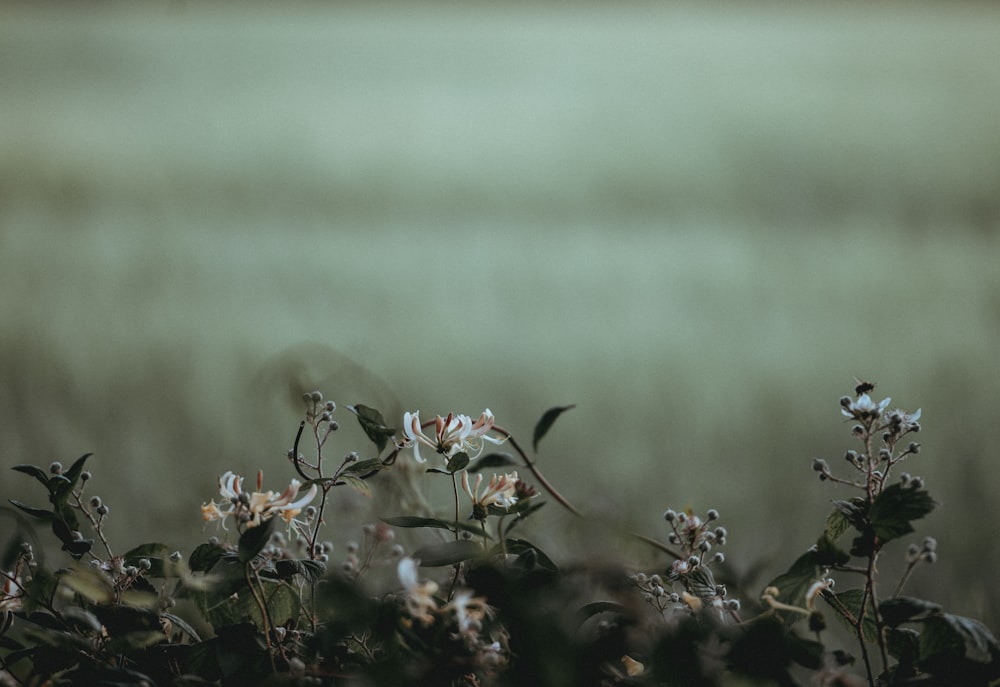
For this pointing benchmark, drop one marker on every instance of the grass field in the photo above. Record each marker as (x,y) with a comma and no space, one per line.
(697,223)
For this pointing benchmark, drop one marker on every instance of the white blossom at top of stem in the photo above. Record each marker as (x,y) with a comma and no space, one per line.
(452,434)
(253,508)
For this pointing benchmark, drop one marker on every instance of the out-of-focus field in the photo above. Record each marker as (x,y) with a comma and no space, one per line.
(697,223)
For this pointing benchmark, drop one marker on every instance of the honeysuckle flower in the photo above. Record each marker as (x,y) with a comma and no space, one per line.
(253,508)
(501,491)
(469,612)
(452,434)
(863,407)
(420,601)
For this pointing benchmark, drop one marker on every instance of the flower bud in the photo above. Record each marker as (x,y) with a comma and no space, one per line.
(176,557)
(669,515)
(95,501)
(334,425)
(819,465)
(145,564)
(913,448)
(85,475)
(712,514)
(330,406)
(55,467)
(845,401)
(315,397)
(103,509)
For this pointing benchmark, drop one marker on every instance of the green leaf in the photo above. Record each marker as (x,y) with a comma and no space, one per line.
(35,472)
(546,422)
(151,550)
(414,521)
(848,607)
(357,484)
(373,424)
(836,524)
(363,467)
(793,584)
(448,553)
(182,625)
(829,554)
(947,637)
(39,513)
(905,609)
(91,584)
(204,557)
(309,569)
(493,460)
(894,509)
(522,547)
(255,539)
(457,462)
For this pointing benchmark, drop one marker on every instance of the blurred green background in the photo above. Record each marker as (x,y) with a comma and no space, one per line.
(697,222)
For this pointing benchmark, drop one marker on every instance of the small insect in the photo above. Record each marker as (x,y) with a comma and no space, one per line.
(863,387)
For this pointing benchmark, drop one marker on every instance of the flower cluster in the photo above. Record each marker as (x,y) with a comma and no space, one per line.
(501,492)
(452,434)
(250,509)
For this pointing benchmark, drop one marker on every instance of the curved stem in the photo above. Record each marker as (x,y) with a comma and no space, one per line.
(530,464)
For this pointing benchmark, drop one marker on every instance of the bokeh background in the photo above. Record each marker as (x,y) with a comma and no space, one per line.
(698,222)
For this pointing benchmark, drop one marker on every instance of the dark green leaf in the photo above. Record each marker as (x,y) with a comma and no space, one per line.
(151,550)
(35,472)
(829,554)
(363,467)
(357,484)
(894,509)
(204,557)
(521,547)
(414,521)
(35,512)
(905,609)
(457,462)
(182,625)
(848,607)
(122,620)
(546,422)
(949,637)
(596,607)
(793,585)
(373,424)
(309,569)
(75,470)
(255,539)
(448,553)
(493,460)
(836,524)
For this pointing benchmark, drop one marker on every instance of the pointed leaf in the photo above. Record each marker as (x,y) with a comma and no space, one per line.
(596,607)
(793,585)
(357,484)
(414,521)
(364,466)
(895,508)
(35,472)
(448,553)
(493,460)
(373,424)
(546,422)
(35,512)
(905,609)
(151,550)
(948,637)
(522,547)
(204,557)
(255,539)
(309,569)
(457,462)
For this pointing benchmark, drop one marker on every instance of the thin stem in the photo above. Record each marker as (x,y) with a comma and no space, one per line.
(530,464)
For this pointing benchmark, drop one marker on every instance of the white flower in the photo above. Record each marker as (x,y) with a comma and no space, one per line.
(863,407)
(469,612)
(420,601)
(452,434)
(501,491)
(253,508)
